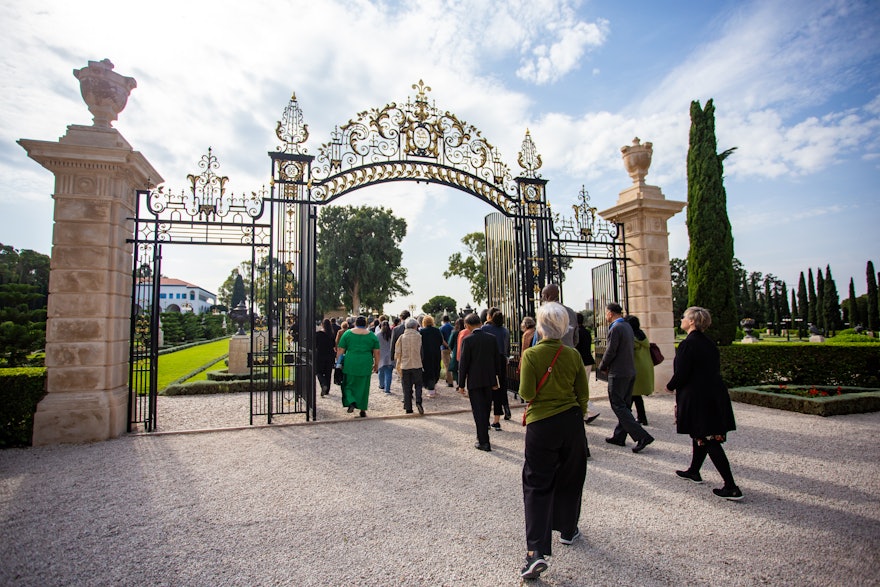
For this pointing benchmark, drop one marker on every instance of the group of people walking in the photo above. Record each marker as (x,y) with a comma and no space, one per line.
(553,371)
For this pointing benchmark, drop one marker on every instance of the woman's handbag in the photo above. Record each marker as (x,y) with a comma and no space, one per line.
(541,383)
(656,355)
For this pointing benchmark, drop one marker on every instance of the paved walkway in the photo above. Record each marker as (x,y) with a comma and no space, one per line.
(408,501)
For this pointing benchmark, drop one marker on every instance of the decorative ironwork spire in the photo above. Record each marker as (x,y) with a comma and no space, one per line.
(529,159)
(208,188)
(584,214)
(291,129)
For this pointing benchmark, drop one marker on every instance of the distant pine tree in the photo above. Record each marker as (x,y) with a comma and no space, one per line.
(831,303)
(853,306)
(820,300)
(873,317)
(803,306)
(710,258)
(812,318)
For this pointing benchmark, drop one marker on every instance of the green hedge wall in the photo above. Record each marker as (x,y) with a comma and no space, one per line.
(21,390)
(855,365)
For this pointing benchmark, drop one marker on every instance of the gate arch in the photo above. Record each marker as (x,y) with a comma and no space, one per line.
(414,141)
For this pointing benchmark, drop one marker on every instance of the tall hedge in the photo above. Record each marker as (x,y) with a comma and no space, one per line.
(21,390)
(710,258)
(856,365)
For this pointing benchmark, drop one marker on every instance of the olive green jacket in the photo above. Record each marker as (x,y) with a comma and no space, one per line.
(566,386)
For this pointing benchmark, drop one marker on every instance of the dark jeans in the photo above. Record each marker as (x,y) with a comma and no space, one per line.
(553,477)
(620,396)
(481,402)
(410,378)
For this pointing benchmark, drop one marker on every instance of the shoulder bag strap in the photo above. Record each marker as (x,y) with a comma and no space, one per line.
(541,383)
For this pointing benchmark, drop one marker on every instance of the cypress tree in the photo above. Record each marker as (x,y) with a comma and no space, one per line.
(710,258)
(853,306)
(820,301)
(803,306)
(831,303)
(811,306)
(794,311)
(873,309)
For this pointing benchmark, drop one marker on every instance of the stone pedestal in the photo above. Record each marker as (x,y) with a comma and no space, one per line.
(817,338)
(239,347)
(89,306)
(749,339)
(644,211)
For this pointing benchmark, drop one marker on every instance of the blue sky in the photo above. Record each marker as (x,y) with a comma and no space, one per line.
(796,86)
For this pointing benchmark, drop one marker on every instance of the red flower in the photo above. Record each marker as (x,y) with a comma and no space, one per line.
(813,392)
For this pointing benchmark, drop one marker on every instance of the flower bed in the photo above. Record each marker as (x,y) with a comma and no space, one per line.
(819,400)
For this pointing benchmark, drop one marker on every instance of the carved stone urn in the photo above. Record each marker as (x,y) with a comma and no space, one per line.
(637,160)
(104,91)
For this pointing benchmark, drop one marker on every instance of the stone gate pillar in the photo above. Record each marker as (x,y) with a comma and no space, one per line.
(89,306)
(644,210)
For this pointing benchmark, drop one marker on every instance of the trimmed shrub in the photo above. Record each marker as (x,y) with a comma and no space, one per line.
(209,387)
(801,363)
(21,390)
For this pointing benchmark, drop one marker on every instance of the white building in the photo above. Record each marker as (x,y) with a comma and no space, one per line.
(176,295)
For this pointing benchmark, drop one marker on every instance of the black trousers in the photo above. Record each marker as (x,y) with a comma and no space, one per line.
(553,477)
(409,379)
(481,402)
(500,404)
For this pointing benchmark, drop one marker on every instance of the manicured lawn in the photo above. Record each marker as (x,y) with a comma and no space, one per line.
(203,375)
(175,365)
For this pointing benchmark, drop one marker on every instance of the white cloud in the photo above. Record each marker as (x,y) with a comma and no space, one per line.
(549,62)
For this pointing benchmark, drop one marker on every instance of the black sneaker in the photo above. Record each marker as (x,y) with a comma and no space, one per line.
(569,539)
(496,426)
(731,493)
(535,565)
(350,408)
(420,409)
(695,477)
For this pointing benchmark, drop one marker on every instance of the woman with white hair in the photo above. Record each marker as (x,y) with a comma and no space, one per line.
(554,382)
(702,403)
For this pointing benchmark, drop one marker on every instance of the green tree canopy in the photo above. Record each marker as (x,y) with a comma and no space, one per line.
(359,258)
(472,265)
(710,258)
(439,304)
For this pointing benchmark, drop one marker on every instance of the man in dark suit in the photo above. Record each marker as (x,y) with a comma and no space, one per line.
(619,364)
(479,371)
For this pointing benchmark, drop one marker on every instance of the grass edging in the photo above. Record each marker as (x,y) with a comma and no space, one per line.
(835,405)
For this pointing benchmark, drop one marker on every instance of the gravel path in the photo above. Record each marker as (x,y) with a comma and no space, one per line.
(408,501)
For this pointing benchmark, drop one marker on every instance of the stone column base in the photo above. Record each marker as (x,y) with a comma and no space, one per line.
(74,417)
(239,347)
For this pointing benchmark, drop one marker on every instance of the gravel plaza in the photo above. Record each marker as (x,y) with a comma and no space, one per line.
(406,500)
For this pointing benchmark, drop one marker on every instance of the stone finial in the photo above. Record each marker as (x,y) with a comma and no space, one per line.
(637,160)
(104,91)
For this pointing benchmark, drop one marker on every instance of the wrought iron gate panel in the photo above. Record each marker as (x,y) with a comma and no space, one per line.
(609,285)
(503,271)
(205,214)
(143,340)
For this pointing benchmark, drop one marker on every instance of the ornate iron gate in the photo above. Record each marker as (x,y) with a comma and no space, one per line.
(206,214)
(413,141)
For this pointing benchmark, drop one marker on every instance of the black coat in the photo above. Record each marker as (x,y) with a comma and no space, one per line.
(480,364)
(702,403)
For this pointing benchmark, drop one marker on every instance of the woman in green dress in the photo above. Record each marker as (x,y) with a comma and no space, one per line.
(361,349)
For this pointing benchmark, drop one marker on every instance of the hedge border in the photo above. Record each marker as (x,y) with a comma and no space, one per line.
(833,405)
